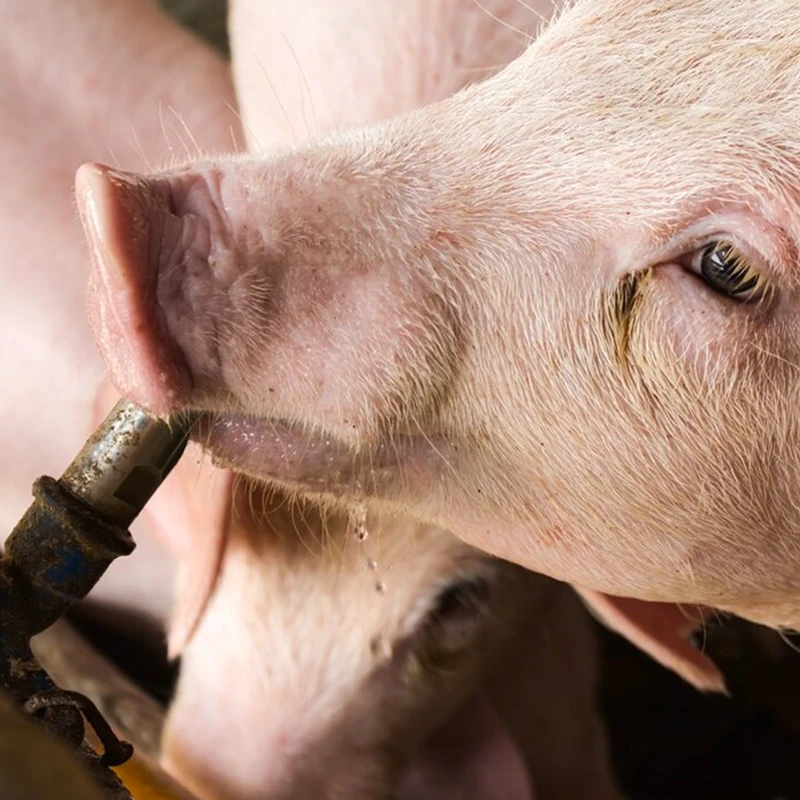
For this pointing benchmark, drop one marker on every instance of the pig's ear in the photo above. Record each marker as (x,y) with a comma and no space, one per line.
(662,631)
(189,515)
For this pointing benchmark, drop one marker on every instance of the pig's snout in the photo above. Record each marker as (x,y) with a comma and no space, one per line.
(140,239)
(267,292)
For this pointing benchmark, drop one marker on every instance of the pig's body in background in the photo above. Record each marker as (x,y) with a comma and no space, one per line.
(309,67)
(383,659)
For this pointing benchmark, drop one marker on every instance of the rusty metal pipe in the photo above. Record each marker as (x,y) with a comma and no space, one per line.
(61,547)
(124,461)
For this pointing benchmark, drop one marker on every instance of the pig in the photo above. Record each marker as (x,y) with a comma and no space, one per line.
(551,313)
(382,658)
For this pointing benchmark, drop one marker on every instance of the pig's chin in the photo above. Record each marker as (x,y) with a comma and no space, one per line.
(309,460)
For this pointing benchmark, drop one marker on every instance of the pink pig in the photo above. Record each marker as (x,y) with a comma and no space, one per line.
(367,656)
(551,313)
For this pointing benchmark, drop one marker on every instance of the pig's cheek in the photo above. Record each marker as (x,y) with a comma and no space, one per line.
(703,333)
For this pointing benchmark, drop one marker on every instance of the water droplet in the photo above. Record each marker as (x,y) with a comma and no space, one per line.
(358,519)
(380,647)
(380,587)
(372,564)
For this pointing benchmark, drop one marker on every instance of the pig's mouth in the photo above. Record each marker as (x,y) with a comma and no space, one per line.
(313,460)
(279,450)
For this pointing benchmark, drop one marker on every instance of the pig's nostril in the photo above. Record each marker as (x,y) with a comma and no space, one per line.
(124,217)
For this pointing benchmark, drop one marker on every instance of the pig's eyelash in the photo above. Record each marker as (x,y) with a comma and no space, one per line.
(727,270)
(621,312)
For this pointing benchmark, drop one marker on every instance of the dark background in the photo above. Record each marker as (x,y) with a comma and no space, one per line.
(670,741)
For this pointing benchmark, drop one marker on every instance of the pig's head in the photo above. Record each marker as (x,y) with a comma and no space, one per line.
(557,313)
(328,665)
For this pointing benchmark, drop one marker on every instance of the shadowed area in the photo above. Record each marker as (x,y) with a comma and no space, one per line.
(668,741)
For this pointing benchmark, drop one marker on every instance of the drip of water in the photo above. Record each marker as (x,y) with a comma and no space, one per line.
(358,519)
(381,647)
(358,523)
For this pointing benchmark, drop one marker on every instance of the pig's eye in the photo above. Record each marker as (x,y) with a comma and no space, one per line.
(728,271)
(450,628)
(455,619)
(467,598)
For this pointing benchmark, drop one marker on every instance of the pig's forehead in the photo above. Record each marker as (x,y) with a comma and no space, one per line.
(683,53)
(658,100)
(677,29)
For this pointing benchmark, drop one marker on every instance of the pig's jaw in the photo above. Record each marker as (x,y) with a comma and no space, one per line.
(318,462)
